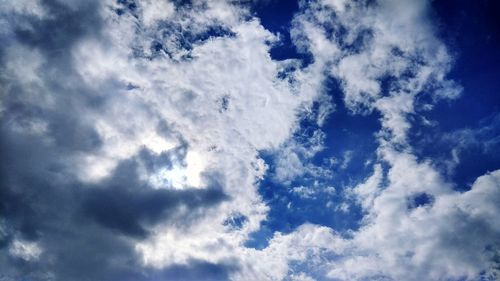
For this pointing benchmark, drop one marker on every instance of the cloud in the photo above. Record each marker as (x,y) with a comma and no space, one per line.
(416,226)
(383,54)
(25,250)
(452,236)
(429,241)
(132,135)
(126,204)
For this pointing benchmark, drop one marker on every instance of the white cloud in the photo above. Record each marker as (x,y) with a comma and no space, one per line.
(368,190)
(451,234)
(224,102)
(28,251)
(390,40)
(157,10)
(221,101)
(307,243)
(454,236)
(448,239)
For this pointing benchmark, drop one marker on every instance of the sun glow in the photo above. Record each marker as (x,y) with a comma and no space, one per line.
(180,176)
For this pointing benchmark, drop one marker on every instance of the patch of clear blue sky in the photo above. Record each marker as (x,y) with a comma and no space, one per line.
(344,132)
(471,30)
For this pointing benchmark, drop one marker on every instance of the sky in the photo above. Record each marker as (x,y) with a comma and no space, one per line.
(157,140)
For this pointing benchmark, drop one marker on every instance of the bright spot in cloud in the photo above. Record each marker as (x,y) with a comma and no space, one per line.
(157,144)
(25,250)
(180,176)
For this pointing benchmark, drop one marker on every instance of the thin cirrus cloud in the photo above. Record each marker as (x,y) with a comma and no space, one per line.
(135,136)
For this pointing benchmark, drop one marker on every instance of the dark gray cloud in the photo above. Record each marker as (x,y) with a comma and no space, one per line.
(125,204)
(195,270)
(66,24)
(86,231)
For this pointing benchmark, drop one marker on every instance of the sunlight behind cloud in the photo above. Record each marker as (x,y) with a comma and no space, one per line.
(180,176)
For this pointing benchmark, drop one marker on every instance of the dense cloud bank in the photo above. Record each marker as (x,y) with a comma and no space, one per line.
(131,135)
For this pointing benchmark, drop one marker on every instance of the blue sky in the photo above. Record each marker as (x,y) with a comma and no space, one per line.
(249,140)
(465,28)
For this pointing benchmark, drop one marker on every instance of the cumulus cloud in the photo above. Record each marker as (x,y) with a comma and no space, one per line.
(416,226)
(132,133)
(135,133)
(383,53)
